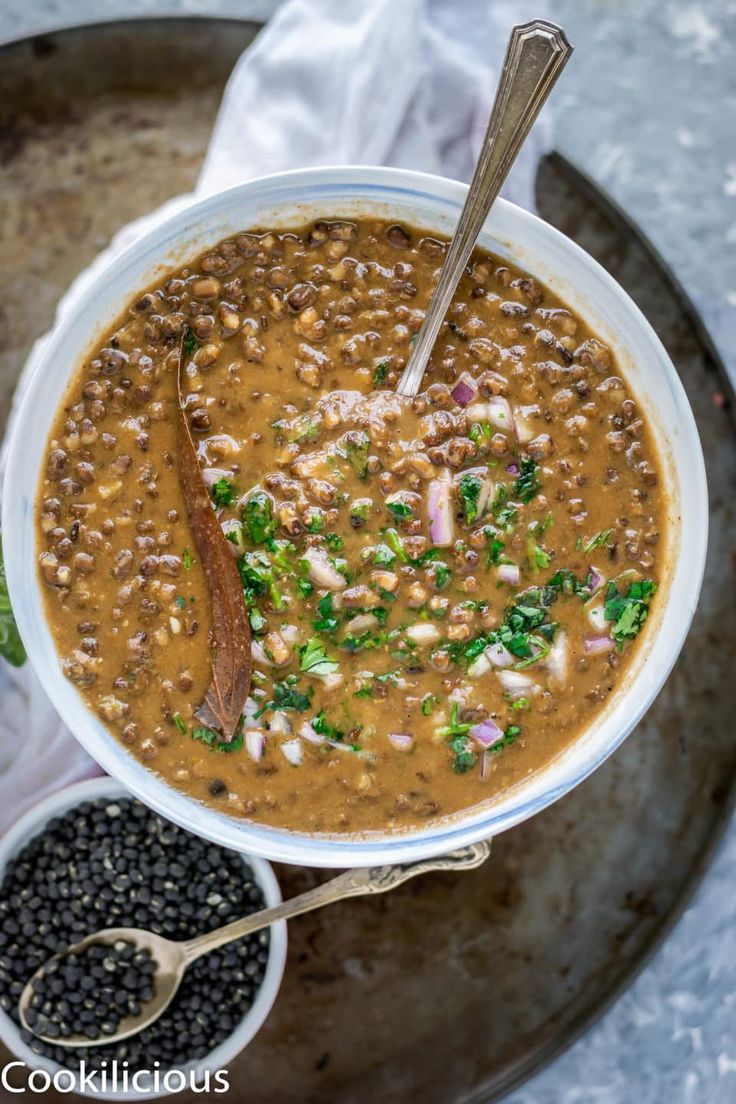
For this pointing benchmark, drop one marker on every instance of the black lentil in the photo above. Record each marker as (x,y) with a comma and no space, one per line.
(65,884)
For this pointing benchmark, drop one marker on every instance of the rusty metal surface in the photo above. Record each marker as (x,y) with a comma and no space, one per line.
(453,988)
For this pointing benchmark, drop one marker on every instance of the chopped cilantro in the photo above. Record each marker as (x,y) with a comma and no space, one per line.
(538,557)
(527,485)
(316,522)
(429,701)
(213,741)
(379,376)
(478,430)
(186,559)
(222,491)
(287,698)
(503,511)
(180,723)
(442,575)
(598,541)
(469,488)
(305,587)
(495,551)
(383,555)
(323,727)
(393,540)
(355,445)
(258,517)
(258,622)
(334,541)
(190,342)
(327,620)
(400,510)
(628,611)
(313,660)
(464,754)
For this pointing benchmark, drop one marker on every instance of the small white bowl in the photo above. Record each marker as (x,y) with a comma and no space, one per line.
(32,824)
(432,203)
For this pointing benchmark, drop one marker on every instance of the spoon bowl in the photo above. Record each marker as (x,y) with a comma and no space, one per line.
(170,961)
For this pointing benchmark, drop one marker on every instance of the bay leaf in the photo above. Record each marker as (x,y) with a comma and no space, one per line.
(223,703)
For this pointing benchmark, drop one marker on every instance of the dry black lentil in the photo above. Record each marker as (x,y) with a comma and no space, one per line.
(115,863)
(88,992)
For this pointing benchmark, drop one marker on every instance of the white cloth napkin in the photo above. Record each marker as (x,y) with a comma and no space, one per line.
(393,82)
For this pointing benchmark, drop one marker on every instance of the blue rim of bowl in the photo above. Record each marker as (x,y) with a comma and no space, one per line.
(308,186)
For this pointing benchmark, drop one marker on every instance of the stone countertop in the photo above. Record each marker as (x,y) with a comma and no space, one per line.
(647,109)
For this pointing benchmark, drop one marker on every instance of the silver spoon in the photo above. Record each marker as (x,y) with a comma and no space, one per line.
(171,958)
(535,56)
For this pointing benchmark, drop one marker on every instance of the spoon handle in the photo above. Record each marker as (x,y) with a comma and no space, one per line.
(535,56)
(352,883)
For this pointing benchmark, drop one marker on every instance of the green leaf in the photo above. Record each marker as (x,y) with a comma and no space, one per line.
(222,491)
(313,660)
(379,376)
(527,485)
(628,611)
(327,620)
(464,754)
(258,517)
(334,541)
(355,445)
(538,557)
(190,342)
(213,741)
(186,559)
(400,510)
(598,541)
(469,488)
(11,645)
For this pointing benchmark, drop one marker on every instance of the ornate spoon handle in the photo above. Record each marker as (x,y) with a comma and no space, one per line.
(535,56)
(352,883)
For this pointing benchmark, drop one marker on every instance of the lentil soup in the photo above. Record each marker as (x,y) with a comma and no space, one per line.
(443,591)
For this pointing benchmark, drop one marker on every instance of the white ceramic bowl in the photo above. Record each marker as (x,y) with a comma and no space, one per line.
(433,203)
(58,803)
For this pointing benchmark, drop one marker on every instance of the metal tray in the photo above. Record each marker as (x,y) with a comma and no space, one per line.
(452,988)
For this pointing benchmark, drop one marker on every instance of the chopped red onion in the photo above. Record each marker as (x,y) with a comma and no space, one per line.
(211,475)
(486,733)
(556,661)
(439,507)
(308,733)
(463,393)
(293,751)
(233,531)
(596,645)
(250,709)
(499,414)
(259,656)
(516,684)
(402,741)
(499,656)
(321,570)
(255,743)
(481,665)
(525,428)
(509,573)
(597,616)
(423,634)
(596,579)
(513,469)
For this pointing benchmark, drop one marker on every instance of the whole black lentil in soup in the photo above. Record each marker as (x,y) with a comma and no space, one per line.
(443,591)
